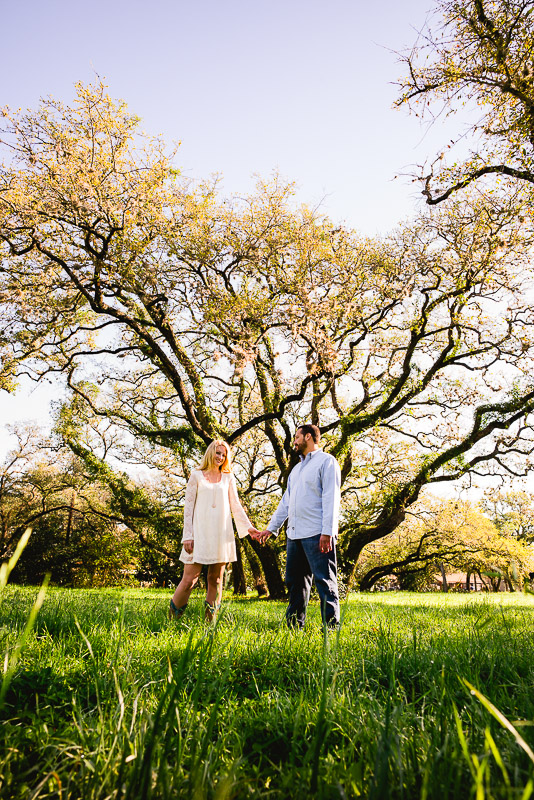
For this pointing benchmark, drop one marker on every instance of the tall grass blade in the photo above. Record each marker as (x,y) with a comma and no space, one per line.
(490,741)
(8,566)
(10,663)
(499,716)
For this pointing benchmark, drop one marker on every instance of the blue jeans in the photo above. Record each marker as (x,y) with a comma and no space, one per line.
(304,562)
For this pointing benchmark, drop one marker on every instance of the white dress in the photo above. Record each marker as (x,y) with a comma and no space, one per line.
(208,509)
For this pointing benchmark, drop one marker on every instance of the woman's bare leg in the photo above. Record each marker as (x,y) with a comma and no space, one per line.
(215,589)
(189,580)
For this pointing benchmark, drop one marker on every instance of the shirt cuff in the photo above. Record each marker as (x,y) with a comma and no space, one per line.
(274,530)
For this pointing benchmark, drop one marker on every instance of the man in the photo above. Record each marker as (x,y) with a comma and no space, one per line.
(311,505)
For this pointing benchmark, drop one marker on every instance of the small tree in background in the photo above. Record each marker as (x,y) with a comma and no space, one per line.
(451,534)
(75,538)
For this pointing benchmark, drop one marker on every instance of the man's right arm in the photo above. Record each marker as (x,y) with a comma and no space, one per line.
(280,515)
(277,519)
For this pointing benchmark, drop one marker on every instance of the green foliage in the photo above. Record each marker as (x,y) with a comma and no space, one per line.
(513,513)
(92,525)
(98,553)
(77,539)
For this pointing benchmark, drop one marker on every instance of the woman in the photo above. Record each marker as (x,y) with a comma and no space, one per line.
(210,500)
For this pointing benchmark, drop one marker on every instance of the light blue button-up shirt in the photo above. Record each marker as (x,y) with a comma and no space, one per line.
(311,500)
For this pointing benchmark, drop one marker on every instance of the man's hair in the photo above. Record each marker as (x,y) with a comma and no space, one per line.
(313,430)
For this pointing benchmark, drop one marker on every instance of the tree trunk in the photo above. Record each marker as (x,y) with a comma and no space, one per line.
(255,568)
(238,573)
(69,517)
(482,583)
(445,585)
(271,569)
(348,559)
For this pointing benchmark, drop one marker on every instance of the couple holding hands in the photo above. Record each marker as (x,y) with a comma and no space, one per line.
(310,504)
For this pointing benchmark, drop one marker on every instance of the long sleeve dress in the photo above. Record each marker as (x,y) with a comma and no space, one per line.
(208,510)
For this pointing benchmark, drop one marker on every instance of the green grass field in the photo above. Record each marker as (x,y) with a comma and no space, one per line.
(108,699)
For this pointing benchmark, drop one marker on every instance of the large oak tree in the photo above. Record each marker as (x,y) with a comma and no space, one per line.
(176,316)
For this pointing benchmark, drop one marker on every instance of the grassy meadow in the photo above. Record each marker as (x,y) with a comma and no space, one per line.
(417,696)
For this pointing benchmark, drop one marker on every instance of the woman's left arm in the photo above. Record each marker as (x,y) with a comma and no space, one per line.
(242,521)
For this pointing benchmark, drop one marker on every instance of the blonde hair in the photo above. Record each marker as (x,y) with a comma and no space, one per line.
(208,459)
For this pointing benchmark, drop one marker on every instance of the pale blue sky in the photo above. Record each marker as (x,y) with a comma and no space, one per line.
(300,86)
(296,85)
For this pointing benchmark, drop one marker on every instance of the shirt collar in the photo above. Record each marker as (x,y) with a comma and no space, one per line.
(309,455)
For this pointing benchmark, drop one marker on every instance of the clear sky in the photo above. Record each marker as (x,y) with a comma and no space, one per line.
(247,86)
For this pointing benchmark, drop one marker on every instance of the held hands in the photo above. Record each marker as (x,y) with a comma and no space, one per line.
(325,542)
(188,546)
(260,536)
